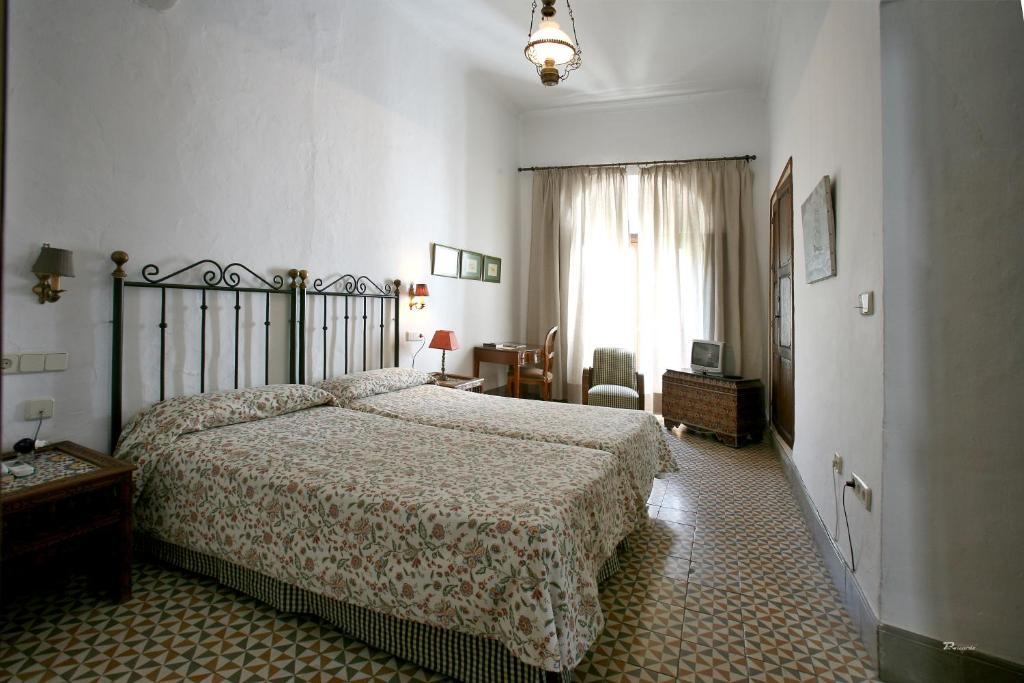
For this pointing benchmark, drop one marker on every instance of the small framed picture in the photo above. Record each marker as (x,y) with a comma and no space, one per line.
(445,261)
(472,265)
(492,269)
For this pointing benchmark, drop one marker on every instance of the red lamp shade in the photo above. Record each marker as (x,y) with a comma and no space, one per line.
(444,340)
(420,290)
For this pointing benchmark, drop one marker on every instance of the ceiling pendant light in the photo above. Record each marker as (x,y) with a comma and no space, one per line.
(550,47)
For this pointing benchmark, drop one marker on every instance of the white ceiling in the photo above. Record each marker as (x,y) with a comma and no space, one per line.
(631,48)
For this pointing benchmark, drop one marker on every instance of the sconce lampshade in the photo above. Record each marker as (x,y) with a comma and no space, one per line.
(420,290)
(444,340)
(54,261)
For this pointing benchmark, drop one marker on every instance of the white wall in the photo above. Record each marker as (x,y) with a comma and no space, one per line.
(825,112)
(324,134)
(708,125)
(953,524)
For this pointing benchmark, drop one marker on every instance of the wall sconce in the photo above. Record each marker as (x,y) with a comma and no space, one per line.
(49,267)
(417,294)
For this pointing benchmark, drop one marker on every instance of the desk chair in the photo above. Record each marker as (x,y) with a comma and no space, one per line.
(613,381)
(540,374)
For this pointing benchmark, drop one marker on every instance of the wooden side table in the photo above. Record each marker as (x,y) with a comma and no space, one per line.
(78,506)
(460,382)
(732,408)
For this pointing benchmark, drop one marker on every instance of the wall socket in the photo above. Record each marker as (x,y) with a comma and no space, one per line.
(39,408)
(861,490)
(837,463)
(413,336)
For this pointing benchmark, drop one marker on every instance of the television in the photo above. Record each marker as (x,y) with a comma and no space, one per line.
(707,356)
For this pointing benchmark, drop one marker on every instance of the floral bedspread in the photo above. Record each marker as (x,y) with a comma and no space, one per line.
(486,535)
(633,436)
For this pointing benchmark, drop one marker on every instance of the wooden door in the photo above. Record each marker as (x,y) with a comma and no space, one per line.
(782,367)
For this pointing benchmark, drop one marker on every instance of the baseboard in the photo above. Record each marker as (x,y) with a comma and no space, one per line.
(856,603)
(908,657)
(900,656)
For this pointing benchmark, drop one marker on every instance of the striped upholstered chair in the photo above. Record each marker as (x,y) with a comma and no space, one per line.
(613,381)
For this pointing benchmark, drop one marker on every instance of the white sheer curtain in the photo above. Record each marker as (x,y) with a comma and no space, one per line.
(693,217)
(582,275)
(681,282)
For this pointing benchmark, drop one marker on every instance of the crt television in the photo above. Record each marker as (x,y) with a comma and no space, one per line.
(707,356)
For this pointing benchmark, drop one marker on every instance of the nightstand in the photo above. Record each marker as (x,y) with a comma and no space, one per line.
(75,509)
(460,382)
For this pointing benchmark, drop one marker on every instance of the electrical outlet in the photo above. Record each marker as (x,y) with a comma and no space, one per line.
(413,336)
(862,490)
(39,408)
(9,364)
(837,463)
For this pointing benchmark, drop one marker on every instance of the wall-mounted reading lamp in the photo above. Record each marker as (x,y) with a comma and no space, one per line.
(49,267)
(417,296)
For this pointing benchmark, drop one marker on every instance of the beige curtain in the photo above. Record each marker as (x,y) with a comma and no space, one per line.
(581,274)
(693,217)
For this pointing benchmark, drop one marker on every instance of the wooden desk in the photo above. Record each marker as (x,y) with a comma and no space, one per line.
(514,358)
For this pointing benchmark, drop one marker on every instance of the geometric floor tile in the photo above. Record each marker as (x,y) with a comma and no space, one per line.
(721,583)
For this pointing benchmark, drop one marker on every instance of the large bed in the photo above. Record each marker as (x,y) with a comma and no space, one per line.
(634,437)
(475,551)
(436,526)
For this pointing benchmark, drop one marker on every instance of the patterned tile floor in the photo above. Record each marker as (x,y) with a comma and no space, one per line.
(723,583)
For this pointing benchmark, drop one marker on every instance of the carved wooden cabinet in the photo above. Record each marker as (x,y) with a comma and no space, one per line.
(732,408)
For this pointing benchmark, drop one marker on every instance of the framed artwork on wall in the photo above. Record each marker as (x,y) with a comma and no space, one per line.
(819,221)
(492,269)
(445,261)
(472,265)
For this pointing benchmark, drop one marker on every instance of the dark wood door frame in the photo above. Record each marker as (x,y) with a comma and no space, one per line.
(782,366)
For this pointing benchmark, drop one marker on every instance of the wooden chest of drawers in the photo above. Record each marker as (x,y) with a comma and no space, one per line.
(730,408)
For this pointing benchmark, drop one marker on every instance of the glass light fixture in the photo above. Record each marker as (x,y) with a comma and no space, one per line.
(550,47)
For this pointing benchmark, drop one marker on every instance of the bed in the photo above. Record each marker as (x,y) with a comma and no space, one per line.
(426,542)
(432,525)
(634,437)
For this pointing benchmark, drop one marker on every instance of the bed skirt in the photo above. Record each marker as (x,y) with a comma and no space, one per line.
(468,658)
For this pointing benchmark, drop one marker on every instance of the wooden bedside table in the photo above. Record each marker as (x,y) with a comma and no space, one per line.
(78,505)
(460,382)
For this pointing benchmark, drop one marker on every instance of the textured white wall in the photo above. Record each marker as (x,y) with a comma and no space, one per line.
(953,96)
(330,135)
(729,123)
(825,112)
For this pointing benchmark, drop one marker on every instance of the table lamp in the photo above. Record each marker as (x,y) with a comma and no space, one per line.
(446,341)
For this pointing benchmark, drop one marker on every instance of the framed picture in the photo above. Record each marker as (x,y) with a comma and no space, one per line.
(819,221)
(492,269)
(472,265)
(445,261)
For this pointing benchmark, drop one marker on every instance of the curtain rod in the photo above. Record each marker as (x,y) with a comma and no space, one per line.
(746,157)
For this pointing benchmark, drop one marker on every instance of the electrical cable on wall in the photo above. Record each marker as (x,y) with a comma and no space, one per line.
(423,342)
(849,538)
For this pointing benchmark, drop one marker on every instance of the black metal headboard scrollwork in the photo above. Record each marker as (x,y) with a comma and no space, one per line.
(359,295)
(216,281)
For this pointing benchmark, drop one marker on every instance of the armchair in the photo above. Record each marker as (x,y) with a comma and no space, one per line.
(613,380)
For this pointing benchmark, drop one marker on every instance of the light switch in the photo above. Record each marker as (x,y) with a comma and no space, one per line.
(32,362)
(56,361)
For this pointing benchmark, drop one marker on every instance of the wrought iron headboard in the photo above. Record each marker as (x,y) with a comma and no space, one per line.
(215,278)
(351,289)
